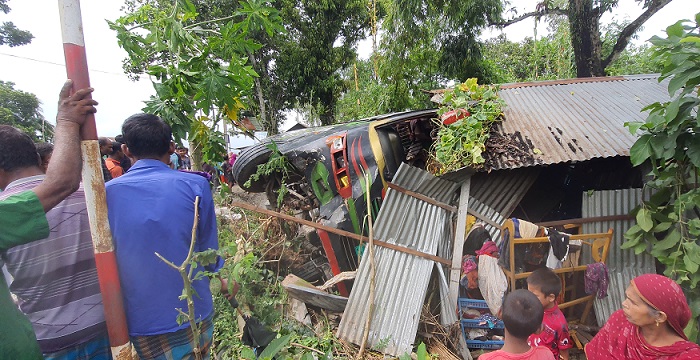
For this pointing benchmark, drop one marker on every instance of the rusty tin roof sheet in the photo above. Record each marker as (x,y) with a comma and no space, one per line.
(575,119)
(401,279)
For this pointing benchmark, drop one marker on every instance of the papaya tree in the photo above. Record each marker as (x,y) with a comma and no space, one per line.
(199,68)
(668,224)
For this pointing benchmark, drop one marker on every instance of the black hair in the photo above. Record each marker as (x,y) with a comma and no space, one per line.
(17,150)
(116,147)
(522,313)
(102,141)
(119,138)
(147,135)
(44,149)
(546,280)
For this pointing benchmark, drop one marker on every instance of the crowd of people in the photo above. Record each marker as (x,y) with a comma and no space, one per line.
(46,246)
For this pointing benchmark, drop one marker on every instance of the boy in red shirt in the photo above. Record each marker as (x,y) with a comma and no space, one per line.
(522,316)
(554,334)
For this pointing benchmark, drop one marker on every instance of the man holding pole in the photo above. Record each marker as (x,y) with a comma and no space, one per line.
(23,219)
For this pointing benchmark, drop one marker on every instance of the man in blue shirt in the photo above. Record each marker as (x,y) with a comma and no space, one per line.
(151,210)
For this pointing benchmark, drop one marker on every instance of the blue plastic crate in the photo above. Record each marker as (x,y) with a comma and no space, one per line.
(488,344)
(472,303)
(478,344)
(474,323)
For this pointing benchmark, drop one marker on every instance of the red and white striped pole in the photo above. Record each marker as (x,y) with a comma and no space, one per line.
(93,183)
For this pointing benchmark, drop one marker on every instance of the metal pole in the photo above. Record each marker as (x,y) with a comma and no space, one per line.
(93,183)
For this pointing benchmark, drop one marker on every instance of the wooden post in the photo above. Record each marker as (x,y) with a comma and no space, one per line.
(456,268)
(460,233)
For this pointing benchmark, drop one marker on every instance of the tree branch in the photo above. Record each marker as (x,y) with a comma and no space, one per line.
(555,11)
(624,38)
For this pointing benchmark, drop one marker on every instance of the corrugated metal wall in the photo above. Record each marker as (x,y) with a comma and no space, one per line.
(623,265)
(401,279)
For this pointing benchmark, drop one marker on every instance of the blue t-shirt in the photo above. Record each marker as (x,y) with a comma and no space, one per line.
(151,209)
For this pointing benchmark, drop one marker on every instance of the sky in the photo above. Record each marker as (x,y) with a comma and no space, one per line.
(39,68)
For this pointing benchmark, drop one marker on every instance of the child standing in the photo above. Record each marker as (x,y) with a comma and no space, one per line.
(554,334)
(522,316)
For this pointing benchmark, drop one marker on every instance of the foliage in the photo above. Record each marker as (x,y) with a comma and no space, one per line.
(9,33)
(591,56)
(436,40)
(320,41)
(200,66)
(261,296)
(668,225)
(547,58)
(276,166)
(461,144)
(22,110)
(633,59)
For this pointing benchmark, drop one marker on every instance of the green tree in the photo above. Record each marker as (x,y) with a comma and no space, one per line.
(319,43)
(584,23)
(9,33)
(632,60)
(668,225)
(444,33)
(200,66)
(23,111)
(547,58)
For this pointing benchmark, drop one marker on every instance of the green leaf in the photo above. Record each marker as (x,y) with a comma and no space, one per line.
(693,151)
(641,150)
(634,126)
(675,29)
(644,219)
(693,39)
(421,352)
(662,226)
(679,80)
(690,265)
(275,346)
(669,241)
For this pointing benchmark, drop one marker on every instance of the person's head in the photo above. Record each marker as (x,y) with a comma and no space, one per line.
(147,136)
(522,313)
(545,284)
(105,145)
(655,300)
(45,151)
(17,152)
(180,150)
(117,153)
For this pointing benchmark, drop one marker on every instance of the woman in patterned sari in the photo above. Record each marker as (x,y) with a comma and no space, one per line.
(649,326)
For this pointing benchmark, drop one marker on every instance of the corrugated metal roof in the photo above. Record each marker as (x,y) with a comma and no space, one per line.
(623,265)
(401,279)
(503,190)
(575,119)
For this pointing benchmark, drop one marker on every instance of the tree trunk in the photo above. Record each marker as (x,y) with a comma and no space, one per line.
(269,123)
(585,38)
(195,155)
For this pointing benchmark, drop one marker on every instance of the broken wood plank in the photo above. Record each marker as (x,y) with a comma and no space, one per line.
(299,289)
(344,233)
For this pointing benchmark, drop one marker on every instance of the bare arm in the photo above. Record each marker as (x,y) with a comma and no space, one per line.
(63,174)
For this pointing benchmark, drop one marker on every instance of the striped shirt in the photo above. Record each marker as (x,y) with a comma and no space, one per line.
(55,278)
